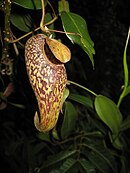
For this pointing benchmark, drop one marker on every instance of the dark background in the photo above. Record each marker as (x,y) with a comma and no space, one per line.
(108,22)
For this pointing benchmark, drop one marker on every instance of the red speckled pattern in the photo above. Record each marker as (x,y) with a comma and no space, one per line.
(48,81)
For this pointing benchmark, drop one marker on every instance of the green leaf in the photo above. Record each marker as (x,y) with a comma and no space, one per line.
(78,26)
(126,72)
(48,18)
(88,48)
(86,166)
(63,6)
(22,22)
(109,113)
(125,124)
(81,99)
(43,136)
(70,117)
(65,95)
(55,134)
(56,158)
(29,4)
(73,23)
(116,141)
(67,166)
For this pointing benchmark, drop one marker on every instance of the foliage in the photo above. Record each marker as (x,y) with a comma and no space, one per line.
(90,136)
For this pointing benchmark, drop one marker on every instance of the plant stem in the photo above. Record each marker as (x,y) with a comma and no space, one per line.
(126,73)
(6,62)
(54,14)
(43,16)
(80,86)
(29,33)
(62,32)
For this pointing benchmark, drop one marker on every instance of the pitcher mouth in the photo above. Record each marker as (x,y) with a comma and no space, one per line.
(49,55)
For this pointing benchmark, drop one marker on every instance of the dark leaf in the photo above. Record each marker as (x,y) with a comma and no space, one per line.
(22,22)
(99,163)
(102,153)
(86,166)
(52,160)
(125,124)
(81,99)
(70,116)
(43,136)
(66,166)
(30,4)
